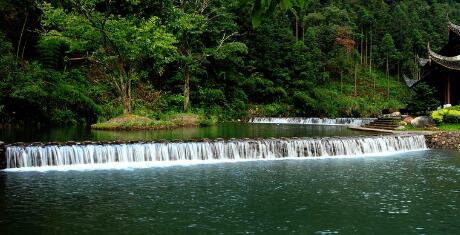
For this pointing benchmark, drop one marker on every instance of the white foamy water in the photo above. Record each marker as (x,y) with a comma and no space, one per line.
(139,155)
(314,121)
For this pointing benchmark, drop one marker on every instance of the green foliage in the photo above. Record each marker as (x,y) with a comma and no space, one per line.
(263,8)
(88,60)
(211,97)
(447,115)
(260,89)
(173,102)
(118,46)
(425,99)
(208,120)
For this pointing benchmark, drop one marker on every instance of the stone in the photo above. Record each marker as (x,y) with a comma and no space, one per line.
(400,128)
(408,119)
(422,122)
(447,106)
(395,114)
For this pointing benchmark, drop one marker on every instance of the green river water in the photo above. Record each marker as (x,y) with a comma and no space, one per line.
(408,193)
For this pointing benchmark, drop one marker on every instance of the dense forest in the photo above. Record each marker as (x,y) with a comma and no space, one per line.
(67,62)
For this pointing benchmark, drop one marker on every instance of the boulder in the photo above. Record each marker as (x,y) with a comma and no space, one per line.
(422,122)
(395,114)
(408,119)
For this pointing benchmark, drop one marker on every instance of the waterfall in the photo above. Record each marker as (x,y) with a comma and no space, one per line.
(314,121)
(228,150)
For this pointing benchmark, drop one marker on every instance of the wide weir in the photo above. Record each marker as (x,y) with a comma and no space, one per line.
(20,155)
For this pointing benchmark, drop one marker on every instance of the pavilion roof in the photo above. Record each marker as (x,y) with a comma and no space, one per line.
(454,28)
(452,62)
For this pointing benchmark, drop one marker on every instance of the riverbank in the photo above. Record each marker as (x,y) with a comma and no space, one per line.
(443,140)
(134,122)
(434,139)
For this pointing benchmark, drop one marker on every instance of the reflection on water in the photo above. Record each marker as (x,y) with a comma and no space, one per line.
(223,130)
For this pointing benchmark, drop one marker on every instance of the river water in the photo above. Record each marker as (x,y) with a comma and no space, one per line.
(412,193)
(415,192)
(223,130)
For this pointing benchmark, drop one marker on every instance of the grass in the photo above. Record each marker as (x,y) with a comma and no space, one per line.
(442,127)
(166,121)
(449,127)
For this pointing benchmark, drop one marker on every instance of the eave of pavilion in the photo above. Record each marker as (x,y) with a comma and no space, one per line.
(445,61)
(454,28)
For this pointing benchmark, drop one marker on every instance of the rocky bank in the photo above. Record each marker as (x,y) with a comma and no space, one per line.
(443,140)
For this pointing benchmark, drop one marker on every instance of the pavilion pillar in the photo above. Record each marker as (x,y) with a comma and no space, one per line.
(448,95)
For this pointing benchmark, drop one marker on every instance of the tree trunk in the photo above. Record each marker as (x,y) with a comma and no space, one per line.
(23,49)
(366,52)
(125,93)
(297,28)
(186,74)
(341,82)
(22,33)
(370,64)
(362,50)
(356,81)
(388,80)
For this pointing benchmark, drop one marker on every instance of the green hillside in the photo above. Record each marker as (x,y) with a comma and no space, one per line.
(82,61)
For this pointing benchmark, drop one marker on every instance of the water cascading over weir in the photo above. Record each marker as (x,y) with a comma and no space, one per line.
(314,121)
(66,154)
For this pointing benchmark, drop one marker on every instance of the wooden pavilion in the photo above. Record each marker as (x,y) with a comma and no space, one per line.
(442,70)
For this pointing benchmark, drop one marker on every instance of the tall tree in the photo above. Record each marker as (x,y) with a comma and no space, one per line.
(203,30)
(118,46)
(388,50)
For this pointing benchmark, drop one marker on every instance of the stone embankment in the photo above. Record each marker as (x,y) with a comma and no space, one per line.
(443,140)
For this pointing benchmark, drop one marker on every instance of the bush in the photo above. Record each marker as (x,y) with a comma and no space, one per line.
(263,90)
(208,121)
(211,97)
(425,99)
(303,103)
(173,103)
(447,116)
(274,110)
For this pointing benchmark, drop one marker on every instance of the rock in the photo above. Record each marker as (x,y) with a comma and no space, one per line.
(408,119)
(447,106)
(400,128)
(395,114)
(422,122)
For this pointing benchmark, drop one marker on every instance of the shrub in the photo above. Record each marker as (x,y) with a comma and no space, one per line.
(211,97)
(274,110)
(448,115)
(208,121)
(303,103)
(424,99)
(173,103)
